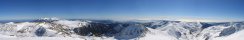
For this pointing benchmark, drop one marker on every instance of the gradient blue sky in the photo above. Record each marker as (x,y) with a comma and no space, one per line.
(214,9)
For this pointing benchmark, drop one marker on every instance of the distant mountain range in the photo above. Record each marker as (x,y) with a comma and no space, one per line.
(125,30)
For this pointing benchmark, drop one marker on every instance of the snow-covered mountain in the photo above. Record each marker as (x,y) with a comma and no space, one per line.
(125,30)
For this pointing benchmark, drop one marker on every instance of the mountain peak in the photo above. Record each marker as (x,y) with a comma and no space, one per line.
(52,18)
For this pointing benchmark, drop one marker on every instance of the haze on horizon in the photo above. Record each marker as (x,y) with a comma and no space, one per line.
(124,9)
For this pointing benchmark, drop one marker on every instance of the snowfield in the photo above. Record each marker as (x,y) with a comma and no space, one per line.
(78,29)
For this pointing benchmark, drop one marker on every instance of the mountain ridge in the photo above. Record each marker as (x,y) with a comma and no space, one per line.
(136,29)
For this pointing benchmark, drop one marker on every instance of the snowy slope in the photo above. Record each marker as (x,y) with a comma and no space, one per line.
(235,36)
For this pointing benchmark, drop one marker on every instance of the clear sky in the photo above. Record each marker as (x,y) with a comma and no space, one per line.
(212,9)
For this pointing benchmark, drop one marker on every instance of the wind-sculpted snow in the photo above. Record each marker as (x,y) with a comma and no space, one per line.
(125,30)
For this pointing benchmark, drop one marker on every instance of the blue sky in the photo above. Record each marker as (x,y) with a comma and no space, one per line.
(212,9)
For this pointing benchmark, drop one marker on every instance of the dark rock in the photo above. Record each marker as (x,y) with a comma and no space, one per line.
(40,31)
